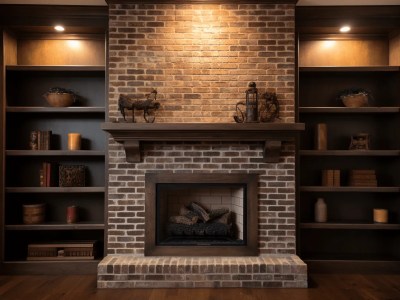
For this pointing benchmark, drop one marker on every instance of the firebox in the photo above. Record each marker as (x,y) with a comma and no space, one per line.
(201,214)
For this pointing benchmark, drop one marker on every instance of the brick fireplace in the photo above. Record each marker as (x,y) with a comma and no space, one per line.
(201,58)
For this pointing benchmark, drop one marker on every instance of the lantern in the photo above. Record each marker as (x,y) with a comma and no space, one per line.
(251,103)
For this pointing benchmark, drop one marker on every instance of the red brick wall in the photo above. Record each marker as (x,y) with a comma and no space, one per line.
(201,57)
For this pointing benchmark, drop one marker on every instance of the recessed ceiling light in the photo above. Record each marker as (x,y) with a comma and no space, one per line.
(59,28)
(345,28)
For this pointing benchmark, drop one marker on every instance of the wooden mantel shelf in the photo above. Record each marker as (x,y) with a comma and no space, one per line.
(272,134)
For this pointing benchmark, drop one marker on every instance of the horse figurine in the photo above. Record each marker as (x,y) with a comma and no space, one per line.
(124,102)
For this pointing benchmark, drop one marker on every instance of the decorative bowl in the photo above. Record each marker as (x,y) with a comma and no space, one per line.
(59,99)
(355,100)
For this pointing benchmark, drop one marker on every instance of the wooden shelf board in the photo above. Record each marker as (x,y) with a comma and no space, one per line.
(55,261)
(341,189)
(348,225)
(37,109)
(65,258)
(55,189)
(351,110)
(50,267)
(351,69)
(350,152)
(57,226)
(55,68)
(54,153)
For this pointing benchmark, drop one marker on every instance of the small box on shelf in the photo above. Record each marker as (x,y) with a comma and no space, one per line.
(72,175)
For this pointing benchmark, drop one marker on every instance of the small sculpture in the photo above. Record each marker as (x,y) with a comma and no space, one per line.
(148,105)
(270,110)
(359,142)
(239,117)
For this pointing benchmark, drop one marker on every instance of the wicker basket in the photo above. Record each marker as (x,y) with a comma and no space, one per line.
(59,99)
(33,213)
(355,100)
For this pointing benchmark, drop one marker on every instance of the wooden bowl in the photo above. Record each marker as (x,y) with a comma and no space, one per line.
(60,99)
(355,100)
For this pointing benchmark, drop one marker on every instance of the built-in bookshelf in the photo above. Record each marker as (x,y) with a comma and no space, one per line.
(25,110)
(330,63)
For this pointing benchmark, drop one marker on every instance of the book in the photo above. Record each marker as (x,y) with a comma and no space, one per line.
(44,139)
(327,178)
(47,174)
(336,177)
(42,177)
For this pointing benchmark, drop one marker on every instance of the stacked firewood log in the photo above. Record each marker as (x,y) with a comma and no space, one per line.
(195,220)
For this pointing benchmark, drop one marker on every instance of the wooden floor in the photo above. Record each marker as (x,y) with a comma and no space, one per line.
(322,287)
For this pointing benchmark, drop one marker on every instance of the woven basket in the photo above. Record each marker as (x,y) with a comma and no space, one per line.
(33,214)
(355,100)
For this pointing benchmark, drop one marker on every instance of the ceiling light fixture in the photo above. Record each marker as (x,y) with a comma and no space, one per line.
(59,28)
(345,28)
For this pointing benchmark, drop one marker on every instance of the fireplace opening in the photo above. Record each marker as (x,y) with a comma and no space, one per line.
(201,214)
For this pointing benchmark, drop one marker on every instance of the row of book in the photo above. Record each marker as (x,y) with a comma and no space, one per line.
(362,178)
(331,177)
(40,140)
(48,175)
(53,174)
(356,178)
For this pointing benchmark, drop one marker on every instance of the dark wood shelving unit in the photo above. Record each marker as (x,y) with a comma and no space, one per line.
(54,153)
(23,190)
(350,69)
(350,189)
(64,110)
(30,70)
(343,225)
(55,226)
(350,152)
(59,68)
(349,110)
(328,65)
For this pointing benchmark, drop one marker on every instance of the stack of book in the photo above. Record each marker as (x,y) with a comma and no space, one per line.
(331,177)
(47,175)
(40,140)
(362,178)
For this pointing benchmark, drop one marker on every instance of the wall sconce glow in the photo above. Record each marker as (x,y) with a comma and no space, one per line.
(59,28)
(74,44)
(345,29)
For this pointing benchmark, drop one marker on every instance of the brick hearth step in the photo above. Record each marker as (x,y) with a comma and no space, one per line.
(268,271)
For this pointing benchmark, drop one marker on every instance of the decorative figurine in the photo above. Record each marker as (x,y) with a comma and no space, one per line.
(124,102)
(359,142)
(251,106)
(270,110)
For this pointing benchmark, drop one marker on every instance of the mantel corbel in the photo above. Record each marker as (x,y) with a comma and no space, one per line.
(131,135)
